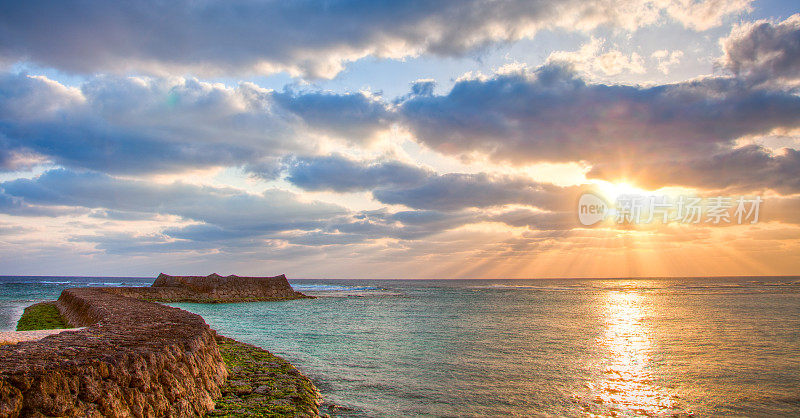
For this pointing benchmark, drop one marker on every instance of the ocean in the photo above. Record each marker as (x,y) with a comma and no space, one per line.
(643,347)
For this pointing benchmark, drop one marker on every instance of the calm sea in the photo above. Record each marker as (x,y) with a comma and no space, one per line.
(708,346)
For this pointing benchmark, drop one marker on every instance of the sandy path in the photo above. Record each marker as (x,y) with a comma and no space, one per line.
(13,337)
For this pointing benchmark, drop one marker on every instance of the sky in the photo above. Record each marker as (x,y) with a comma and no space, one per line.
(399,139)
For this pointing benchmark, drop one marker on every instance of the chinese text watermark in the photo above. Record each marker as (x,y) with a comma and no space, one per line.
(640,209)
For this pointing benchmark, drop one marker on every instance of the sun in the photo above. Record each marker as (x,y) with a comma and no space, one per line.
(611,191)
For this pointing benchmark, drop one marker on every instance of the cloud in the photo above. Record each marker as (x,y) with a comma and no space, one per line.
(223,207)
(338,173)
(423,87)
(357,117)
(397,183)
(225,218)
(145,125)
(764,51)
(591,58)
(552,115)
(538,220)
(457,191)
(703,15)
(310,38)
(405,224)
(667,59)
(119,215)
(14,160)
(746,169)
(11,229)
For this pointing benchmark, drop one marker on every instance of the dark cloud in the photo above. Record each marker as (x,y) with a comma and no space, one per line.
(405,225)
(308,37)
(226,216)
(139,126)
(7,160)
(129,125)
(455,191)
(354,116)
(397,183)
(552,115)
(764,51)
(746,169)
(119,215)
(538,220)
(423,87)
(338,173)
(226,208)
(15,206)
(233,219)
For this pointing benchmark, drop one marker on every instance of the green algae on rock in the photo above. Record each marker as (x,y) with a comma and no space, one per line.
(39,316)
(261,384)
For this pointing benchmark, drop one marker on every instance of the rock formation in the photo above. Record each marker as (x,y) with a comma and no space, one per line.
(135,358)
(213,289)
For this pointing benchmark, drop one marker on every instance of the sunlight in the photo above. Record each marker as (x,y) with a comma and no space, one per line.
(627,384)
(611,191)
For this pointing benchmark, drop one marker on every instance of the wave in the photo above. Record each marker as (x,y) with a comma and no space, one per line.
(523,287)
(79,282)
(331,288)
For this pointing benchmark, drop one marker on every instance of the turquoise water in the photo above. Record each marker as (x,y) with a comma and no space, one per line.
(18,292)
(535,347)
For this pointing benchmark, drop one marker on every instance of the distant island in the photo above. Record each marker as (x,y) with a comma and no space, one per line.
(133,357)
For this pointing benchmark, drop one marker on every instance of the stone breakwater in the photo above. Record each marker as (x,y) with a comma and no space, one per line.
(134,358)
(213,289)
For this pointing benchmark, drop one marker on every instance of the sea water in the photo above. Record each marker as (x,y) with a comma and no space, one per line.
(649,347)
(18,292)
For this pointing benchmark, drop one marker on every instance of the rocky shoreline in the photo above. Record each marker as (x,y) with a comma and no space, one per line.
(262,384)
(139,358)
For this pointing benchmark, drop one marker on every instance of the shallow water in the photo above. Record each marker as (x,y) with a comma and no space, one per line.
(535,347)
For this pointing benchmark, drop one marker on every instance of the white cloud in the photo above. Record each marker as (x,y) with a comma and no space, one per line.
(703,15)
(592,58)
(666,59)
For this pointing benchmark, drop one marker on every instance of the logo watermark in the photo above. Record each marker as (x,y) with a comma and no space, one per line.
(646,209)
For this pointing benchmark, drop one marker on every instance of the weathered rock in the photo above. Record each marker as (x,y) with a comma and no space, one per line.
(134,358)
(213,289)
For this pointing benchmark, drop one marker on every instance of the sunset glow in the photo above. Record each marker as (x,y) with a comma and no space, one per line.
(433,151)
(478,208)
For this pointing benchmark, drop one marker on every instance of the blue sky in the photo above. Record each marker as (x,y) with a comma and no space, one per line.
(393,139)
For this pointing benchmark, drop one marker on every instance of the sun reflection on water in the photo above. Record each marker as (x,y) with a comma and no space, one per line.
(626,386)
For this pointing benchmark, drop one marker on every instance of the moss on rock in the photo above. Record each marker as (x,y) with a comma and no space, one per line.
(44,315)
(261,384)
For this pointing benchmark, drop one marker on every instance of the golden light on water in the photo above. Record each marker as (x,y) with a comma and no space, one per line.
(626,385)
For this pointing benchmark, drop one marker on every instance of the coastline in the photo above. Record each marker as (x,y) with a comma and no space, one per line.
(137,357)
